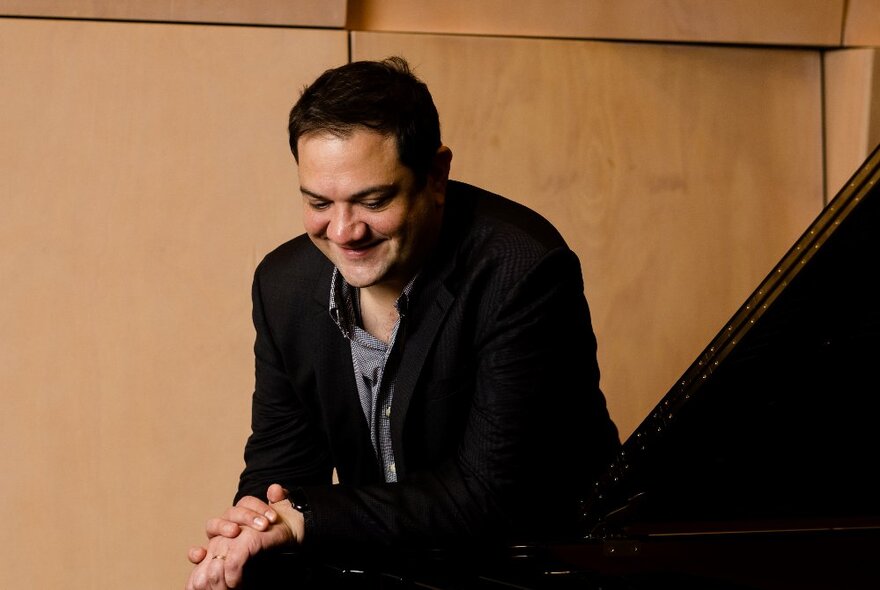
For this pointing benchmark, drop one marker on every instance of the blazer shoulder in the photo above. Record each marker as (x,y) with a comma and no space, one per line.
(498,219)
(298,256)
(490,230)
(296,264)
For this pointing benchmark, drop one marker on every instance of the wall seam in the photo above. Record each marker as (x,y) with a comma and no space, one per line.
(823,113)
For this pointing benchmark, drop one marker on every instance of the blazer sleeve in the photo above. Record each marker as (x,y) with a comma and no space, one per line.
(535,430)
(285,445)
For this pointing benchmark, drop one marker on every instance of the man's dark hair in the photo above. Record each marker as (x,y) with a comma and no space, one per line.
(384,96)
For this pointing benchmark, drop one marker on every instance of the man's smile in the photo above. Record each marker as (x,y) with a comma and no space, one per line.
(359,250)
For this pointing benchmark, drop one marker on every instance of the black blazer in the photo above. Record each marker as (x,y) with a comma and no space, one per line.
(497,421)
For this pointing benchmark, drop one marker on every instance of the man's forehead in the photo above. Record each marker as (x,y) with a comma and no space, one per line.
(334,167)
(327,148)
(347,135)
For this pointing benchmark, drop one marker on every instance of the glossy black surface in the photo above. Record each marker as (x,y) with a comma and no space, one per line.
(776,424)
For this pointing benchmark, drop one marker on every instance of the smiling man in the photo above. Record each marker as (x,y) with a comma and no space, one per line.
(426,345)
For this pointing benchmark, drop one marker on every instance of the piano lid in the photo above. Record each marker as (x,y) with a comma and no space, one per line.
(776,422)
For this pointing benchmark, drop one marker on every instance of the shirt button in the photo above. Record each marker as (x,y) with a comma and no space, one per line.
(388,412)
(392,468)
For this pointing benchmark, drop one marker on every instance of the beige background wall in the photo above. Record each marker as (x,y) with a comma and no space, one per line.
(144,171)
(793,22)
(852,111)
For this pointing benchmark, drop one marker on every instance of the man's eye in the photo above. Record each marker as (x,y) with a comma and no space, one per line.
(378,203)
(319,205)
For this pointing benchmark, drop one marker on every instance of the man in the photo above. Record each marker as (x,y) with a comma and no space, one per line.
(426,341)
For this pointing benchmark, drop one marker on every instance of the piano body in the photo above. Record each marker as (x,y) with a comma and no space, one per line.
(758,470)
(761,467)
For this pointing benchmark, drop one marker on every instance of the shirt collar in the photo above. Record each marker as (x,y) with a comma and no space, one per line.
(344,302)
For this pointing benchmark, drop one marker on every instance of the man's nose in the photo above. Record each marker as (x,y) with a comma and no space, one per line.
(345,227)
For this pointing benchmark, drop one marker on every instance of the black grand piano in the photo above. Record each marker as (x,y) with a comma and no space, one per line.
(758,470)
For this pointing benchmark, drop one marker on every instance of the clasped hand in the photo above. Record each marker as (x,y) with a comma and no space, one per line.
(243,531)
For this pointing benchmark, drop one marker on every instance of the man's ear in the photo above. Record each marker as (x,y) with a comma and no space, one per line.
(439,173)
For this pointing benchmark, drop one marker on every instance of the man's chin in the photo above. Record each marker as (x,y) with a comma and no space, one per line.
(358,280)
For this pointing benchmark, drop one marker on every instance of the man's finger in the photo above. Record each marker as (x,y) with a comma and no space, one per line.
(233,566)
(221,527)
(276,493)
(216,576)
(255,505)
(249,517)
(196,554)
(198,578)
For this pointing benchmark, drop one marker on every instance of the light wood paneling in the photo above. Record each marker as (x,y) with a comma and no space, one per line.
(144,170)
(679,174)
(305,13)
(784,22)
(852,112)
(862,26)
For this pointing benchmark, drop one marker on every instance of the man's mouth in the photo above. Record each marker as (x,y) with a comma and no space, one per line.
(358,251)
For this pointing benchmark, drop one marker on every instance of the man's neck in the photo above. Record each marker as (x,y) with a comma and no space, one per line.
(379,311)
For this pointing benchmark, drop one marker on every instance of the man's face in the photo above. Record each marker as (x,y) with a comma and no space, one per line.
(363,210)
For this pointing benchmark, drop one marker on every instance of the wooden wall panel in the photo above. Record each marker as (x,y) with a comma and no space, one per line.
(305,13)
(862,24)
(144,170)
(784,22)
(679,174)
(852,112)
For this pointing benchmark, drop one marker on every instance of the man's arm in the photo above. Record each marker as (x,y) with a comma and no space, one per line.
(285,446)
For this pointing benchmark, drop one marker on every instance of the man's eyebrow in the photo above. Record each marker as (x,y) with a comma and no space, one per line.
(372,190)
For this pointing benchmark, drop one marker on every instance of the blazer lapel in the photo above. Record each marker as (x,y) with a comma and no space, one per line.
(346,426)
(422,328)
(429,312)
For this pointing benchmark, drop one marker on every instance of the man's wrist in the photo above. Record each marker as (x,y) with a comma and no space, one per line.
(300,503)
(299,500)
